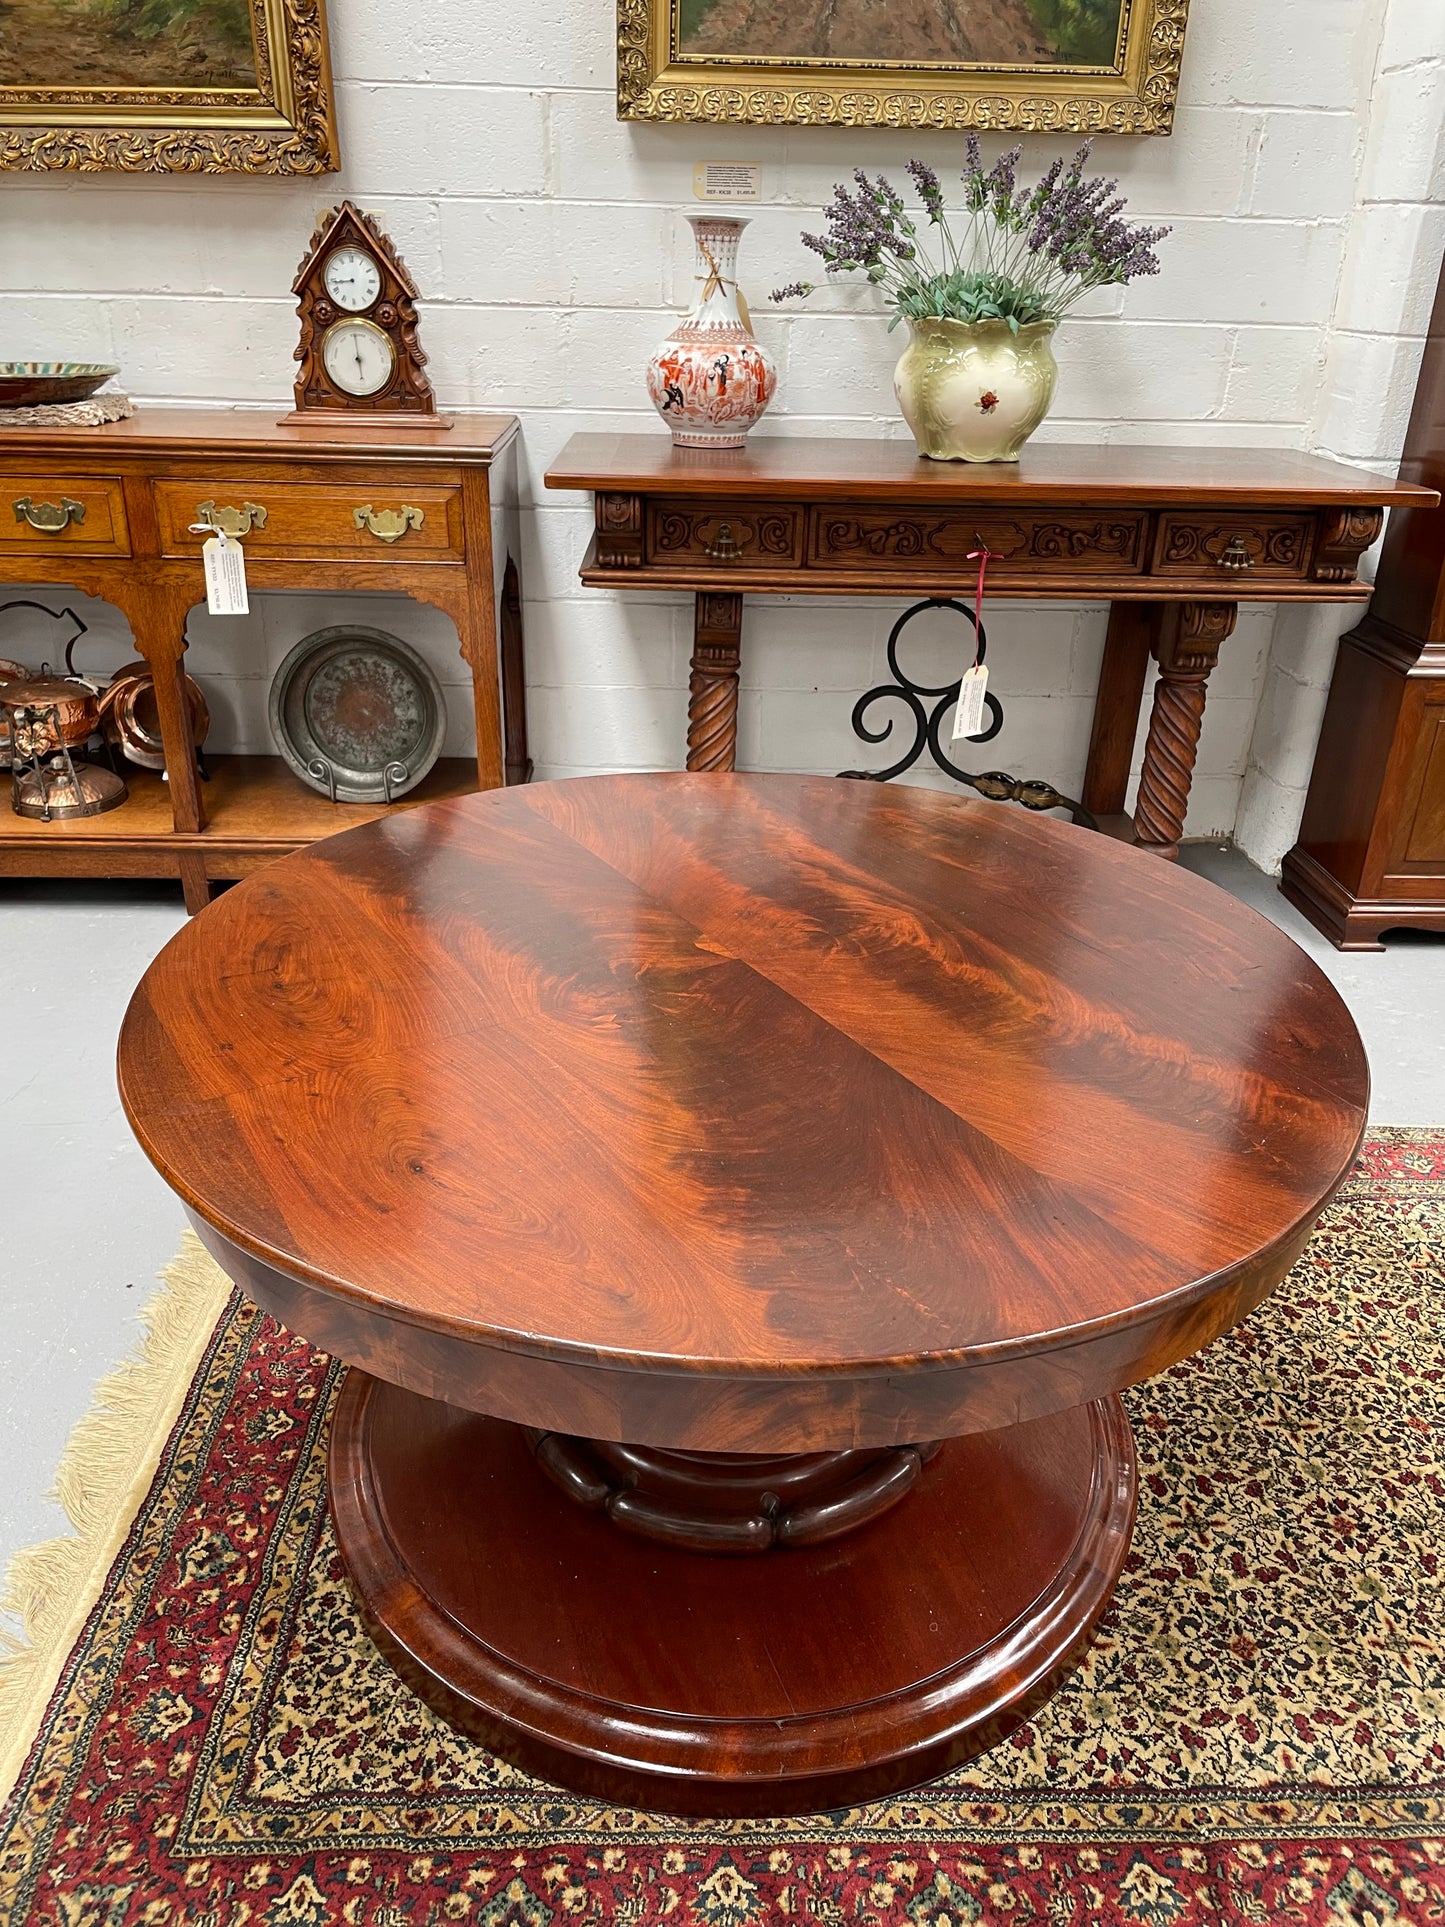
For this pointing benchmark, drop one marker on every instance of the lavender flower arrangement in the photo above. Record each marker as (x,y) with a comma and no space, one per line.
(1025,254)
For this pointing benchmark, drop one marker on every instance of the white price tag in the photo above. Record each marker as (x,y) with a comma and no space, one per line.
(727,181)
(968,717)
(225,566)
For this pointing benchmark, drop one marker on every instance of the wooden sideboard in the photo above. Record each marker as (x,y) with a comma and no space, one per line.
(1172,537)
(1371,849)
(136,487)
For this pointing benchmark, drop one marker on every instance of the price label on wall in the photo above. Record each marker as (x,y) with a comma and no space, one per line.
(727,181)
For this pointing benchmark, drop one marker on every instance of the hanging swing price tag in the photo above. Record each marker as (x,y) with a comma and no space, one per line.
(968,717)
(225,565)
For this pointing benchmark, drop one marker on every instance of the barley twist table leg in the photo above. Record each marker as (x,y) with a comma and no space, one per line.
(1187,649)
(712,699)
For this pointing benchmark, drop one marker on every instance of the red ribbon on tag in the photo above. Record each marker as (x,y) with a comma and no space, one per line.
(982,557)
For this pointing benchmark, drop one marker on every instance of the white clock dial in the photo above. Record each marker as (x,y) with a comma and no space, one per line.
(358,357)
(353,280)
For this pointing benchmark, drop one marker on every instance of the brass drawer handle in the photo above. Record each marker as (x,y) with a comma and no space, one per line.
(388,525)
(724,547)
(228,521)
(1236,557)
(46,516)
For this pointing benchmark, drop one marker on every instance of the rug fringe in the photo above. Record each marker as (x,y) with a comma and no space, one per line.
(104,1475)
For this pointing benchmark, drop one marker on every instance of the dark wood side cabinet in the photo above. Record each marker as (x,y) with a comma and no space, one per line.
(1371,849)
(130,493)
(1173,538)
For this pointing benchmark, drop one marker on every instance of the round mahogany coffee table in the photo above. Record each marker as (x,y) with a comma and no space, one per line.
(740,1200)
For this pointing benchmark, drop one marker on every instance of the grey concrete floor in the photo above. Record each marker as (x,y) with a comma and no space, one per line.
(87,1224)
(1396,996)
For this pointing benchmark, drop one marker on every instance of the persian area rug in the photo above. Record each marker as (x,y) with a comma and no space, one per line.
(1258,1734)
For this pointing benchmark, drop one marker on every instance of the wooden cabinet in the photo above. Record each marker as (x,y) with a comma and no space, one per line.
(111,511)
(857,537)
(1269,546)
(46,512)
(321,519)
(1371,849)
(1172,537)
(689,532)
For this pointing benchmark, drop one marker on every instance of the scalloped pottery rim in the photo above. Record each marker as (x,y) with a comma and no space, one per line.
(974,391)
(30,384)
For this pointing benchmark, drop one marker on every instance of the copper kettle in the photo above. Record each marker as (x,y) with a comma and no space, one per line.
(47,712)
(60,711)
(10,671)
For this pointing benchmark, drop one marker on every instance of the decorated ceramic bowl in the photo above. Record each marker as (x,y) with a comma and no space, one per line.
(34,384)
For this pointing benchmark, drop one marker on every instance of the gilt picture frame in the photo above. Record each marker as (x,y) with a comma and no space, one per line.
(1076,66)
(166,86)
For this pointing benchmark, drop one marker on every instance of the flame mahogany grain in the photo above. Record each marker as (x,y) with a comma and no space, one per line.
(739,1115)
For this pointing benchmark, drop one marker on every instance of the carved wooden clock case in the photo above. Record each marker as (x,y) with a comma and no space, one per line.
(358,351)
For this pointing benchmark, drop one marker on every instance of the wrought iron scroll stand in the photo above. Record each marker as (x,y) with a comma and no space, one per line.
(928,705)
(395,772)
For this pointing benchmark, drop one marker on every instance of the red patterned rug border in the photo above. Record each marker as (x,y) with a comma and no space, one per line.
(1156,1861)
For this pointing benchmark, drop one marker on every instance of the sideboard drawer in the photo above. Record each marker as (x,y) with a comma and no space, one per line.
(723,533)
(1267,544)
(917,542)
(299,519)
(83,513)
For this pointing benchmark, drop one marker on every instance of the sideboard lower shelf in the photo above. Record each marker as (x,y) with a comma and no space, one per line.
(256,809)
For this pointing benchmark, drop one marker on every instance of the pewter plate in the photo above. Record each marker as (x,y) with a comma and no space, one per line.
(357,714)
(31,384)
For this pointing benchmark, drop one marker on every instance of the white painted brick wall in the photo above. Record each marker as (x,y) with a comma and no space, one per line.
(551,249)
(1370,358)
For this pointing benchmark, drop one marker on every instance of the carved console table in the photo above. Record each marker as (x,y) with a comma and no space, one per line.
(1171,537)
(344,506)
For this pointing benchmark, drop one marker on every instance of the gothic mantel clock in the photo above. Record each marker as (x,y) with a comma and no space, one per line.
(358,352)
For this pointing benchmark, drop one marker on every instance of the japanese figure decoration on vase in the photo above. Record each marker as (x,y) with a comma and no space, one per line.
(710,380)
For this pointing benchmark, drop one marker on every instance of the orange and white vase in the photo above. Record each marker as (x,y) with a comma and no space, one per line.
(710,381)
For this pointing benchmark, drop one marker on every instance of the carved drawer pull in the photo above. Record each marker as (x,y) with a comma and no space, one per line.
(725,547)
(228,521)
(49,518)
(1236,556)
(388,525)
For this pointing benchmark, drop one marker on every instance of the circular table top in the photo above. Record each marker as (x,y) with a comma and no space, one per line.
(754,1074)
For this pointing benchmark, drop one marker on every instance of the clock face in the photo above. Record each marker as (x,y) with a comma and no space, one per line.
(353,280)
(358,357)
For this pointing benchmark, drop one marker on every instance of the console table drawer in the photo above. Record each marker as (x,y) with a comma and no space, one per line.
(744,538)
(84,513)
(1261,545)
(368,522)
(915,541)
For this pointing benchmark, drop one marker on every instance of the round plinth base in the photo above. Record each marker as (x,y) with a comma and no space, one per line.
(660,1677)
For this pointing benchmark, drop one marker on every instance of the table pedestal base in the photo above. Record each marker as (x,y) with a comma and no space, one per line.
(660,1676)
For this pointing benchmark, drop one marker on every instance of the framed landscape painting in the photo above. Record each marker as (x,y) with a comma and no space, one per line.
(1105,66)
(166,86)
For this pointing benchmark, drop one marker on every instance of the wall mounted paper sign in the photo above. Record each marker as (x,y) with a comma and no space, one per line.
(187,86)
(1105,66)
(727,181)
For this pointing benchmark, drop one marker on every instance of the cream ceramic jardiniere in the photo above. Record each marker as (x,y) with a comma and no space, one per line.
(982,298)
(974,391)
